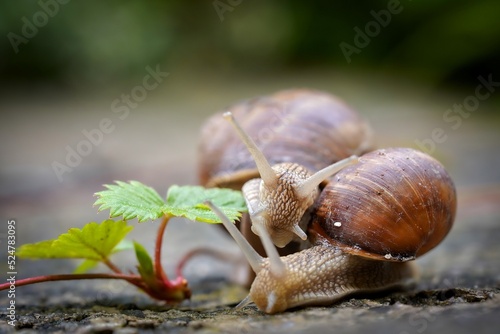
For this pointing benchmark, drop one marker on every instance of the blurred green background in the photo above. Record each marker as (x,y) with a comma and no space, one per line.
(102,44)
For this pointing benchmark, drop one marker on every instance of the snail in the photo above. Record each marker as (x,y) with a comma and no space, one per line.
(303,129)
(376,213)
(318,275)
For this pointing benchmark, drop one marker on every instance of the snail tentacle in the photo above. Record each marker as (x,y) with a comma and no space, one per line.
(254,259)
(299,232)
(266,172)
(309,185)
(246,301)
(277,267)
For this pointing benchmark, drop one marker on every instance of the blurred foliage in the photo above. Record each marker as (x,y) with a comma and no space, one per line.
(89,42)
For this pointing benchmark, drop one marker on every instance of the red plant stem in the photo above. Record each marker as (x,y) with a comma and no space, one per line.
(133,279)
(160,273)
(217,254)
(111,266)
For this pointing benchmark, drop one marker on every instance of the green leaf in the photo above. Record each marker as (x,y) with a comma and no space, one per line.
(131,200)
(187,201)
(145,267)
(85,266)
(39,250)
(93,242)
(135,200)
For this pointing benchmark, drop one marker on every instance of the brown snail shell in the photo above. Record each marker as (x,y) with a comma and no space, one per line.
(311,128)
(394,204)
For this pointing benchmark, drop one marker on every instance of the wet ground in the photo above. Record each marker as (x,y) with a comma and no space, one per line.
(459,291)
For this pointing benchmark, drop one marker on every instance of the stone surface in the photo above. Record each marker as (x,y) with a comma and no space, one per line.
(460,280)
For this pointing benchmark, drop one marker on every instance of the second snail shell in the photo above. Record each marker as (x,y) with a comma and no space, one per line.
(308,127)
(395,204)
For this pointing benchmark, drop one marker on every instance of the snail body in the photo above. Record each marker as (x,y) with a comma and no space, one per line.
(323,274)
(375,213)
(318,275)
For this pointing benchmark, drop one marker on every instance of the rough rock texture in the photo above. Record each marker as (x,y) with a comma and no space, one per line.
(452,310)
